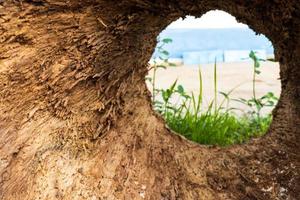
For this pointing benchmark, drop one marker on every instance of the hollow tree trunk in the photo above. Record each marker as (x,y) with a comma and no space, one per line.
(76,119)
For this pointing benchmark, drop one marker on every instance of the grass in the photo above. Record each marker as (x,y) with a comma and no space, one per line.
(215,124)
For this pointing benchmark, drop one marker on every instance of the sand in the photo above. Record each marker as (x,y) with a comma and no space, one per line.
(230,75)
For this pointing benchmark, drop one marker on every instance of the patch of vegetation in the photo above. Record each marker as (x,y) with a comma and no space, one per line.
(215,124)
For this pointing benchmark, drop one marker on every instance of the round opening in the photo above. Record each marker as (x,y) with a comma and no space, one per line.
(214,80)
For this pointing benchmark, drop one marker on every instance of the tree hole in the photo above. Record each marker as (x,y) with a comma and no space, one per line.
(214,80)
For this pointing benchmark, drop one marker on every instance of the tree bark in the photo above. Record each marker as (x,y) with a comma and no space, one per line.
(75,115)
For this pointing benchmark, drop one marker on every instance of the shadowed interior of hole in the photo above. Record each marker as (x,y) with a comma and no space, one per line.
(234,82)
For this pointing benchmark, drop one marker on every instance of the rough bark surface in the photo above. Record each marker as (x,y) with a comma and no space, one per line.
(76,119)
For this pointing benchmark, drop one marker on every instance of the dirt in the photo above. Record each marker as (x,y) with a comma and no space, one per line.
(76,120)
(236,76)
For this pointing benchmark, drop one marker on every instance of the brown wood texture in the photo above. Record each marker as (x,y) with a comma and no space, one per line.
(75,115)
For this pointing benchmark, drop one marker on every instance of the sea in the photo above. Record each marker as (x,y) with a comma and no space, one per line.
(219,42)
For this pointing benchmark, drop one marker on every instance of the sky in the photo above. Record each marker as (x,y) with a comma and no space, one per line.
(212,19)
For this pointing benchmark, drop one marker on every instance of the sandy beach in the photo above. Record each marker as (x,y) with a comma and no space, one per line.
(230,75)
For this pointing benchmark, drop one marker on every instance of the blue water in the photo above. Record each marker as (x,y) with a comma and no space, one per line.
(196,40)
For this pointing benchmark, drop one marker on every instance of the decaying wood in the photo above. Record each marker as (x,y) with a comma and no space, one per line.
(75,115)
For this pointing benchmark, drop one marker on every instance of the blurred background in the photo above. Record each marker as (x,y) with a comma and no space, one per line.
(216,36)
